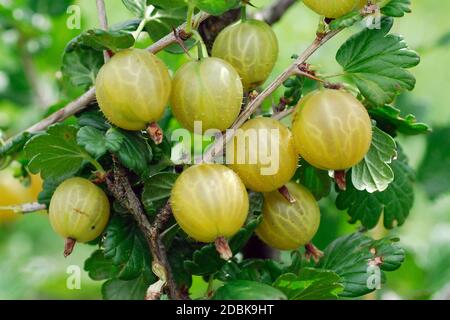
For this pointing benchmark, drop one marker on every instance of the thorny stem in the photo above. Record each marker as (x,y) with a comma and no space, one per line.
(25,208)
(120,188)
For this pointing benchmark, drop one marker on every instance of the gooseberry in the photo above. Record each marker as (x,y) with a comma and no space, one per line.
(263,154)
(332,130)
(209,201)
(79,211)
(208,90)
(285,225)
(251,47)
(334,8)
(133,89)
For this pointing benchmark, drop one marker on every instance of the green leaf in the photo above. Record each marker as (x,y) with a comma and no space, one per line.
(248,290)
(377,61)
(178,252)
(50,7)
(256,200)
(126,246)
(397,8)
(434,171)
(394,203)
(315,180)
(93,118)
(134,153)
(206,260)
(97,143)
(168,4)
(373,173)
(216,7)
(157,190)
(98,267)
(263,271)
(361,261)
(116,289)
(162,22)
(48,188)
(100,40)
(391,115)
(136,7)
(310,284)
(56,154)
(15,144)
(81,65)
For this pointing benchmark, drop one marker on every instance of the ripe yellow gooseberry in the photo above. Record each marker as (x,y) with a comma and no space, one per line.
(14,193)
(332,130)
(133,89)
(285,225)
(262,153)
(251,47)
(79,210)
(209,201)
(208,90)
(334,8)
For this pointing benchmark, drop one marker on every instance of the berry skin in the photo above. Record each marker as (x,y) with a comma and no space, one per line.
(334,8)
(287,226)
(251,47)
(79,210)
(209,201)
(268,162)
(133,89)
(209,91)
(332,130)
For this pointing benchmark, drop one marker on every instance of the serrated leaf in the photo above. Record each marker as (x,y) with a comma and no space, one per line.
(206,260)
(361,261)
(374,173)
(310,284)
(98,39)
(93,118)
(216,7)
(394,203)
(434,171)
(97,143)
(56,154)
(377,61)
(137,7)
(116,289)
(162,22)
(263,271)
(397,8)
(248,290)
(126,246)
(135,153)
(315,180)
(407,125)
(48,188)
(80,66)
(157,190)
(98,267)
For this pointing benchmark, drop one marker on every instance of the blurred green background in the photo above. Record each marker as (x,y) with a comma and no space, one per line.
(31,261)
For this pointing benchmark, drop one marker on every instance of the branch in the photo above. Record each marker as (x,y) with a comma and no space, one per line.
(25,208)
(103,22)
(121,189)
(275,12)
(83,101)
(217,147)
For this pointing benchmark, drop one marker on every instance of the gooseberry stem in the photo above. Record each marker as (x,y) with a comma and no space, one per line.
(190,14)
(244,12)
(25,208)
(148,11)
(200,44)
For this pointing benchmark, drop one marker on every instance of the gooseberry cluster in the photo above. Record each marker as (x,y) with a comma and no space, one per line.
(331,130)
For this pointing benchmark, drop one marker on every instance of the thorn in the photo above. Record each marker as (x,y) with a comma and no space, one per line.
(155,132)
(285,193)
(340,179)
(68,246)
(223,248)
(180,37)
(313,252)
